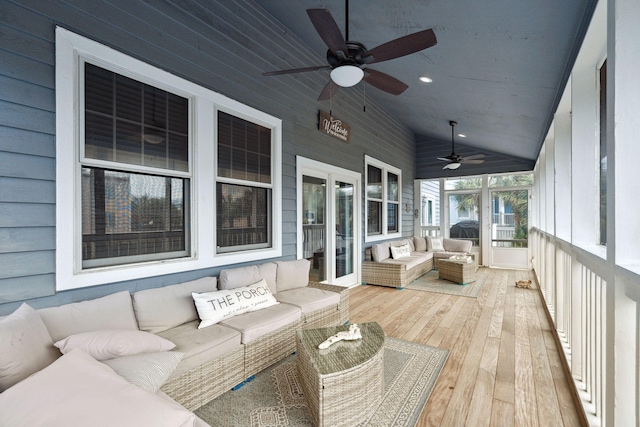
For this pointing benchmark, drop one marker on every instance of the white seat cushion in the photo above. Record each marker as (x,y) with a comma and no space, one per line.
(410,261)
(200,345)
(256,324)
(309,299)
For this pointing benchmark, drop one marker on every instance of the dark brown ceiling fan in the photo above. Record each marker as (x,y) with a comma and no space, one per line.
(455,160)
(347,59)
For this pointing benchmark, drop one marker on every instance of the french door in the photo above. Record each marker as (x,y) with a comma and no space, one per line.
(328,226)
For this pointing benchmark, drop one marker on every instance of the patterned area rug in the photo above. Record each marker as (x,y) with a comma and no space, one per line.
(429,282)
(274,397)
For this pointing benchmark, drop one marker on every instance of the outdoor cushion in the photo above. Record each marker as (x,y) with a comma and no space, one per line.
(292,274)
(244,276)
(200,345)
(424,255)
(456,245)
(309,299)
(146,370)
(25,346)
(434,244)
(420,244)
(113,311)
(107,344)
(402,251)
(380,251)
(410,261)
(164,308)
(256,324)
(78,391)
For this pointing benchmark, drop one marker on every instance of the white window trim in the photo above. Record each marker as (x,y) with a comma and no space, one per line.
(70,48)
(385,169)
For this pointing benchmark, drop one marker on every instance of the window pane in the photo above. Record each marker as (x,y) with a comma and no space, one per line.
(511,180)
(392,218)
(374,182)
(374,220)
(138,115)
(463,183)
(244,149)
(603,154)
(392,187)
(129,217)
(243,217)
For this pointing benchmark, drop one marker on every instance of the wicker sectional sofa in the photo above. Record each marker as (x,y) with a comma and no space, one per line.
(216,358)
(381,268)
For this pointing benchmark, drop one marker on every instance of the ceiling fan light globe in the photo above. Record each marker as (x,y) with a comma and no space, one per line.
(452,165)
(347,75)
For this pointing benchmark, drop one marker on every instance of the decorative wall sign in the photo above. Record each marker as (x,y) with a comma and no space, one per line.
(334,127)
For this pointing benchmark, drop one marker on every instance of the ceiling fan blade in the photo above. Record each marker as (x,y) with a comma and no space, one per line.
(471,162)
(402,46)
(475,156)
(384,82)
(295,70)
(329,90)
(329,31)
(445,159)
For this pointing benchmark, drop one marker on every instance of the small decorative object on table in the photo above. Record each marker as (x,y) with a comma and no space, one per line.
(462,258)
(352,334)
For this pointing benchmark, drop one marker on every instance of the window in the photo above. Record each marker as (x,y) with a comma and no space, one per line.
(244,184)
(127,216)
(155,174)
(603,155)
(384,184)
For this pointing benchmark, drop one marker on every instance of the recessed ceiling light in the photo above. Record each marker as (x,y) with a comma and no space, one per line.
(425,79)
(462,135)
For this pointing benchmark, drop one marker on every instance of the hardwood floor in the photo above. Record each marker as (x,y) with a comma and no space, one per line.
(504,368)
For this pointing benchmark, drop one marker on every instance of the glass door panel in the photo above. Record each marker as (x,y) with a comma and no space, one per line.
(464,217)
(314,225)
(344,229)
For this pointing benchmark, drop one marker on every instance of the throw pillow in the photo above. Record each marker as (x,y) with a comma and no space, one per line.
(78,391)
(402,251)
(102,345)
(25,346)
(214,307)
(147,370)
(435,244)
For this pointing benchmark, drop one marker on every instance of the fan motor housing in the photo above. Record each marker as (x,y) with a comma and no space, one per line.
(356,50)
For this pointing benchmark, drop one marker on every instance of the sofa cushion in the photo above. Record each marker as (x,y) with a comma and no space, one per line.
(256,324)
(113,311)
(200,345)
(292,274)
(78,391)
(410,261)
(164,308)
(25,346)
(402,251)
(380,251)
(215,306)
(107,344)
(434,244)
(309,299)
(456,245)
(424,255)
(244,276)
(147,370)
(420,244)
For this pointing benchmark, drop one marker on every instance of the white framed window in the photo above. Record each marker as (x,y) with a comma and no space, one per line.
(139,160)
(383,200)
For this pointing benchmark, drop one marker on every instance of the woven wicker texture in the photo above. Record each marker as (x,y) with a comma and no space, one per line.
(392,275)
(332,380)
(457,271)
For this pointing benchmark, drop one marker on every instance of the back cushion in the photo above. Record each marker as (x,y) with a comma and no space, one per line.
(420,243)
(455,245)
(110,312)
(380,251)
(292,274)
(244,276)
(164,308)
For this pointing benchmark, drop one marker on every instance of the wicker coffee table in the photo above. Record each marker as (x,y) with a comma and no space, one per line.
(459,271)
(342,384)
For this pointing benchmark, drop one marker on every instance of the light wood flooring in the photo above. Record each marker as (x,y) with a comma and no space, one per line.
(504,368)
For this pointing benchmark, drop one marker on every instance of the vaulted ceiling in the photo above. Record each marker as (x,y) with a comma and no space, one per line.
(498,69)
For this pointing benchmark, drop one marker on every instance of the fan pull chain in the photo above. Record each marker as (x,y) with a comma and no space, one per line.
(364,102)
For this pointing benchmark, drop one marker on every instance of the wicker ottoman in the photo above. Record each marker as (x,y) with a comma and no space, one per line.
(343,384)
(459,271)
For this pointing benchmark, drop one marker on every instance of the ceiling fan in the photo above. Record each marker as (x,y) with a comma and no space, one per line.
(455,160)
(347,59)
